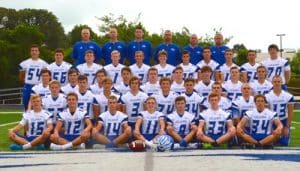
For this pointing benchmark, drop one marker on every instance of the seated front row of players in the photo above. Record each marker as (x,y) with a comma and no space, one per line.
(73,127)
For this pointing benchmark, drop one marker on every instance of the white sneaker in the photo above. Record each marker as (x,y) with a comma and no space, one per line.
(193,145)
(81,146)
(176,146)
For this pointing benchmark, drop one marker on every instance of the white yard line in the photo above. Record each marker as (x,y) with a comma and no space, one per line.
(11,123)
(17,112)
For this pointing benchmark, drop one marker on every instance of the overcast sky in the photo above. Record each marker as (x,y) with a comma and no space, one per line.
(252,22)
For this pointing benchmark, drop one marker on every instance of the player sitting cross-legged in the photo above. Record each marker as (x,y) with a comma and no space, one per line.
(76,125)
(38,123)
(112,128)
(149,123)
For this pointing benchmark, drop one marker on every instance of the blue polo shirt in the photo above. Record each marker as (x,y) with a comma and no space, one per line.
(173,51)
(108,47)
(81,47)
(195,53)
(218,53)
(144,46)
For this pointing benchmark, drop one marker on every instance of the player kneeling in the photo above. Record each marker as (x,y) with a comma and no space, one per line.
(113,124)
(215,121)
(76,125)
(150,123)
(181,125)
(38,123)
(261,121)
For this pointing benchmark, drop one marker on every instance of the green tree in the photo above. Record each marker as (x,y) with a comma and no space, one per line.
(241,52)
(295,63)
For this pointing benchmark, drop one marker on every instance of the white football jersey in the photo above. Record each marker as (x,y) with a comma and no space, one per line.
(212,64)
(279,103)
(150,89)
(240,106)
(101,101)
(233,90)
(54,105)
(261,122)
(165,71)
(276,67)
(96,89)
(202,89)
(193,102)
(89,71)
(36,122)
(114,72)
(150,122)
(181,123)
(250,70)
(189,71)
(73,123)
(40,90)
(140,72)
(178,88)
(113,123)
(224,104)
(134,104)
(258,88)
(215,121)
(85,102)
(165,104)
(122,88)
(225,70)
(69,89)
(32,70)
(60,72)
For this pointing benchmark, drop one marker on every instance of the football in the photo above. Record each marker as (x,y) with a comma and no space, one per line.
(137,146)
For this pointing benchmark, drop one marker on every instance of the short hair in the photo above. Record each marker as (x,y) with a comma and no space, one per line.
(165,79)
(106,79)
(228,50)
(178,68)
(101,71)
(126,69)
(184,52)
(72,71)
(139,51)
(134,78)
(206,69)
(72,94)
(53,82)
(217,84)
(82,77)
(260,96)
(180,98)
(273,46)
(112,97)
(251,51)
(211,95)
(189,80)
(163,52)
(150,98)
(234,67)
(35,96)
(152,69)
(43,71)
(263,67)
(89,52)
(277,76)
(59,50)
(115,52)
(138,27)
(34,46)
(206,47)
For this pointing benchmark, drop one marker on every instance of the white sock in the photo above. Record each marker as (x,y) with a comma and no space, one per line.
(149,143)
(55,147)
(27,146)
(67,146)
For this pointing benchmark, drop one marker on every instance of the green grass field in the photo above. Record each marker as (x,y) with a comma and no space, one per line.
(8,120)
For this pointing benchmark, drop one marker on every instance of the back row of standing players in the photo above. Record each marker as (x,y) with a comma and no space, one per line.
(95,83)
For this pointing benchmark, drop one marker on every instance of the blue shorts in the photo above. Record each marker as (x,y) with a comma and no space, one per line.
(259,137)
(132,125)
(214,136)
(28,138)
(149,137)
(70,138)
(26,95)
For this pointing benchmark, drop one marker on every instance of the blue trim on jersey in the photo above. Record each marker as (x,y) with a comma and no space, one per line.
(286,64)
(120,100)
(173,57)
(169,121)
